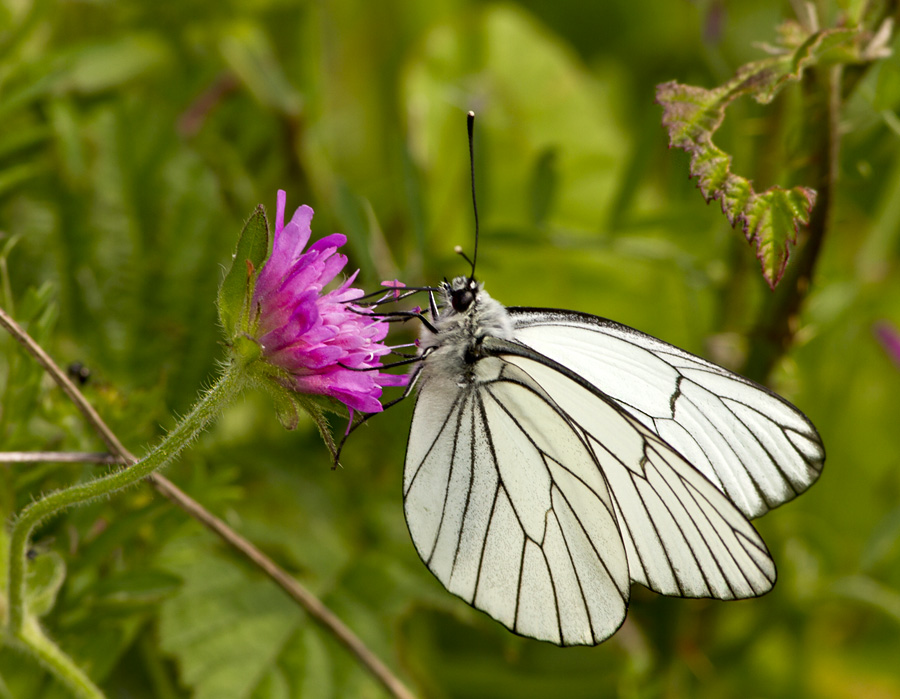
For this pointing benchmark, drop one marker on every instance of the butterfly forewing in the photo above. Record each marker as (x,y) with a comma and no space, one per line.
(751,444)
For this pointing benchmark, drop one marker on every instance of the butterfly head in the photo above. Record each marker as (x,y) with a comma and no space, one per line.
(469,313)
(461,293)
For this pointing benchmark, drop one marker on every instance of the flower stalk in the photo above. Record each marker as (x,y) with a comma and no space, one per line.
(31,640)
(206,409)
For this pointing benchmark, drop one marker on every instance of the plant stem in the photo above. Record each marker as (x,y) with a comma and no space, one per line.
(200,416)
(775,330)
(32,640)
(61,457)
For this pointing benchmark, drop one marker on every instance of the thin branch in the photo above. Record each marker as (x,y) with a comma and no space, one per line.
(191,120)
(313,606)
(60,457)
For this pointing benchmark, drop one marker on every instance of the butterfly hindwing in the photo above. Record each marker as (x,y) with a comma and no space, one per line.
(506,507)
(751,444)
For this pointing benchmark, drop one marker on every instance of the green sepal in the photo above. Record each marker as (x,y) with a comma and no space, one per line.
(289,404)
(236,289)
(315,411)
(326,404)
(246,348)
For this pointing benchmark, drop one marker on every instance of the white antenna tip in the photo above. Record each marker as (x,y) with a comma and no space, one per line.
(471,113)
(458,249)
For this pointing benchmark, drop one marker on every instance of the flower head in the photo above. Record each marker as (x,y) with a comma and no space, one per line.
(322,343)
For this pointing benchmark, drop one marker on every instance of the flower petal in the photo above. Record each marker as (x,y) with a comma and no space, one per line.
(325,344)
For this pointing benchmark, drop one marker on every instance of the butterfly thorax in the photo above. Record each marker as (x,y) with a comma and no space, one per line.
(467,315)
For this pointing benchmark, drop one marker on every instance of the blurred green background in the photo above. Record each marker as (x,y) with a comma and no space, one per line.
(136,137)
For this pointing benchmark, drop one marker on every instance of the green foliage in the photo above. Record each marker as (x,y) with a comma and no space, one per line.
(769,219)
(136,137)
(236,289)
(46,576)
(207,623)
(692,115)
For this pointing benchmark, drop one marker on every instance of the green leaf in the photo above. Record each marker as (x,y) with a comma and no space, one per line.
(14,177)
(133,590)
(555,160)
(105,65)
(544,184)
(225,628)
(692,115)
(770,222)
(249,53)
(883,545)
(872,592)
(236,289)
(21,378)
(46,574)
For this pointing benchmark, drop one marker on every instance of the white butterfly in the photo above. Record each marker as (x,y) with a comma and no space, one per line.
(556,457)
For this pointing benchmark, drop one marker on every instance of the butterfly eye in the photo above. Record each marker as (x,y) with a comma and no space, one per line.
(461,299)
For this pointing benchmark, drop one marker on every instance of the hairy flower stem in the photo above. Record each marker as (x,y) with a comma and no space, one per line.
(207,408)
(32,641)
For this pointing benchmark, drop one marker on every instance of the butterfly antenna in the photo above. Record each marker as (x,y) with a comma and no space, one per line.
(462,253)
(470,125)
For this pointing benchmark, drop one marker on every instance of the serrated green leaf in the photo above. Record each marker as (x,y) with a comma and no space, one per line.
(764,79)
(692,115)
(225,628)
(236,288)
(770,222)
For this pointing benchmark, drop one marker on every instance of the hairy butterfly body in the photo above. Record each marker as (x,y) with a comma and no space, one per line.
(556,457)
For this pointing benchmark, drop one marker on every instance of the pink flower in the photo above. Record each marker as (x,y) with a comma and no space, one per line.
(890,339)
(317,337)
